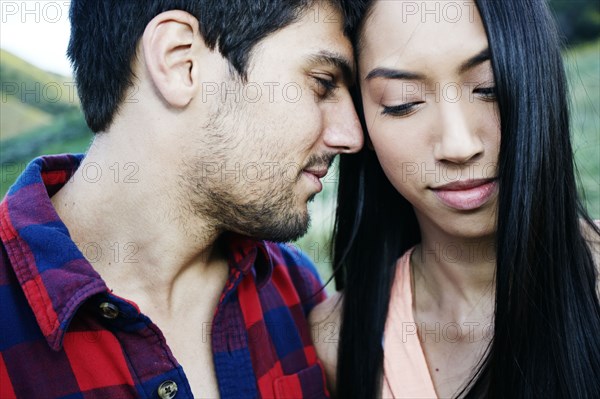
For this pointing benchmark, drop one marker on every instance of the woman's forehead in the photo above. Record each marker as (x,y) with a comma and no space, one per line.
(411,31)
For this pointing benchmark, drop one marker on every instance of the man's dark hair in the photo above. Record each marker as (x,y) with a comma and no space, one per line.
(105,34)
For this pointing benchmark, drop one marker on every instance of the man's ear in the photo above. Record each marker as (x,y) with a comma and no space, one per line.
(170,47)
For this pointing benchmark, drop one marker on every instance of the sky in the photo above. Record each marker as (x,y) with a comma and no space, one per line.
(37,31)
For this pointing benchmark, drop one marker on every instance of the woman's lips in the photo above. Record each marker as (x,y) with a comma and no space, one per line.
(466,195)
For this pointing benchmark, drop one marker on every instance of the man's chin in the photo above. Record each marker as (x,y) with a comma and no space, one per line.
(285,229)
(291,233)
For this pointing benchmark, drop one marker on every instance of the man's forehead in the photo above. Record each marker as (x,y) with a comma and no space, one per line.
(323,34)
(314,41)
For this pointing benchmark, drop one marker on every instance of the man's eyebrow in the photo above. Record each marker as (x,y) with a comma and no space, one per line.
(388,73)
(481,57)
(336,60)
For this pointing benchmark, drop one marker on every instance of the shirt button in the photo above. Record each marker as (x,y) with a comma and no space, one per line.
(167,390)
(109,310)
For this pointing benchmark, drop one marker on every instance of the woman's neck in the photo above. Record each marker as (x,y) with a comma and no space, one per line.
(454,276)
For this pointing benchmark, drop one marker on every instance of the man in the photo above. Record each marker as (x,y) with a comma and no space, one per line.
(131,272)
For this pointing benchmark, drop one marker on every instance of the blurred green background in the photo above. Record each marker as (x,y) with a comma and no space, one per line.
(39,114)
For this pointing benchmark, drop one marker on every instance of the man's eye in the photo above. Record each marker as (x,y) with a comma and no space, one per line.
(486,93)
(326,86)
(400,110)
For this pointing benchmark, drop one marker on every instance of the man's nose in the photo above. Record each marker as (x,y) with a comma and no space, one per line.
(342,129)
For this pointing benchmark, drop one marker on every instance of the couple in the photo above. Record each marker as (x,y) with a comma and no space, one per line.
(172,285)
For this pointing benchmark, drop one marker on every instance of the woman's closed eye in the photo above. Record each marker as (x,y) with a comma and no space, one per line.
(401,110)
(486,93)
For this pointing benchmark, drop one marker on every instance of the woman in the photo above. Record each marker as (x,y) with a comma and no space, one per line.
(465,257)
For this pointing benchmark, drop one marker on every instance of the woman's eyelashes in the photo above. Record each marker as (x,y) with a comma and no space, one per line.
(485,93)
(400,110)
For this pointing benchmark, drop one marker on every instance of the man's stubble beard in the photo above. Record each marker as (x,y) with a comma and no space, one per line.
(271,215)
(266,209)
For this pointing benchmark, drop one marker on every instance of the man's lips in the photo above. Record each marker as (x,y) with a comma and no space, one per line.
(319,173)
(315,175)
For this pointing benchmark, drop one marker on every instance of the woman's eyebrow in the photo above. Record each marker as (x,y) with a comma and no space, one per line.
(481,57)
(398,74)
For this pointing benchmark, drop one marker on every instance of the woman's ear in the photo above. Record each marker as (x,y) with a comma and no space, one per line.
(170,48)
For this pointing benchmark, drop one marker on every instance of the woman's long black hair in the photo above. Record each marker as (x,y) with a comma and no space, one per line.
(546,340)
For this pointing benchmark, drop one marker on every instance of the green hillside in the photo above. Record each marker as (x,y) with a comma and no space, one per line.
(16,117)
(583,70)
(39,114)
(11,64)
(31,97)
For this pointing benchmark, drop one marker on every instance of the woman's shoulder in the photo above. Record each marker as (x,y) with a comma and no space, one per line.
(593,239)
(328,309)
(325,323)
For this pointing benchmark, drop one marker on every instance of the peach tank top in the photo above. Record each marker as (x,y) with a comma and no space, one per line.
(404,366)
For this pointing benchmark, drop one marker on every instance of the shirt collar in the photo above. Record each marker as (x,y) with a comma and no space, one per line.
(250,255)
(55,276)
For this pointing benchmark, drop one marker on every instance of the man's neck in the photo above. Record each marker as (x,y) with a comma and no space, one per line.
(134,229)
